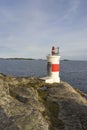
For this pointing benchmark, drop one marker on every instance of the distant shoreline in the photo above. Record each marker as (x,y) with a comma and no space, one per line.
(17,59)
(20,59)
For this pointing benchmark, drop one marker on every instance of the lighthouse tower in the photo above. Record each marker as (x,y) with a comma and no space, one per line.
(53,66)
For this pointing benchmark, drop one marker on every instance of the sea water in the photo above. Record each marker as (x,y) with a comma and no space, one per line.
(73,72)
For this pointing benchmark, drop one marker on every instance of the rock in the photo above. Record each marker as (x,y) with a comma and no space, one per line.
(72,107)
(31,104)
(20,105)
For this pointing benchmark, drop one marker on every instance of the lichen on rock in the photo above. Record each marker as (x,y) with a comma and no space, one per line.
(27,103)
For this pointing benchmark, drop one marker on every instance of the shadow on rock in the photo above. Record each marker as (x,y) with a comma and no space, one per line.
(5,122)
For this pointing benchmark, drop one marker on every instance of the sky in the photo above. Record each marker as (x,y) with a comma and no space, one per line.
(29,28)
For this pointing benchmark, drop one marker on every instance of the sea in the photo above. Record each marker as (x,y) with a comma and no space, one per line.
(73,72)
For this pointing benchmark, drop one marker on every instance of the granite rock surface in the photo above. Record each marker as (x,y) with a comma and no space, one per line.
(31,104)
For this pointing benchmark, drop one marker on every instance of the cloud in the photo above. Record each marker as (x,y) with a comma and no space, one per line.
(71,10)
(29,28)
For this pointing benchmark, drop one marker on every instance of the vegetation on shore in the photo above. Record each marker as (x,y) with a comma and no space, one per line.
(17,59)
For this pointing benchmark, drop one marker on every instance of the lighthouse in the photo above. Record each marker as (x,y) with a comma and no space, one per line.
(53,66)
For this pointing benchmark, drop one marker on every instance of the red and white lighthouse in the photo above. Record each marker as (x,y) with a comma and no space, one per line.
(53,66)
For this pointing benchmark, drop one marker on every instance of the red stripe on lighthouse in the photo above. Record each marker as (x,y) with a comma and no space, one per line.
(55,67)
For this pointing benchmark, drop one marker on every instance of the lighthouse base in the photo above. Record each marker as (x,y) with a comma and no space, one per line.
(51,79)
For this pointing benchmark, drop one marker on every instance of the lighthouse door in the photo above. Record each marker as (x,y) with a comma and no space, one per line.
(49,66)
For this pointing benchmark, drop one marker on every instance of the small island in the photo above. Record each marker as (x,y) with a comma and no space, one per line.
(66,60)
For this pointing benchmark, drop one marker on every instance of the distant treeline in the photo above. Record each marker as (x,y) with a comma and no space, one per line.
(17,59)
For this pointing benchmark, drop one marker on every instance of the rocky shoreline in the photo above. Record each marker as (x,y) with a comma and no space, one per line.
(31,104)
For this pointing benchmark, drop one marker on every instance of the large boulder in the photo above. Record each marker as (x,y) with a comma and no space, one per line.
(31,104)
